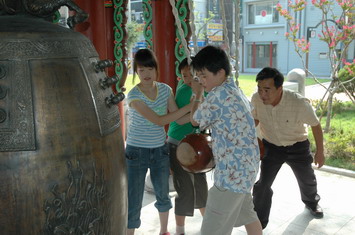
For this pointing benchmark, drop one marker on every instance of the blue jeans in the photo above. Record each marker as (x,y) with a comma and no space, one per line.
(138,161)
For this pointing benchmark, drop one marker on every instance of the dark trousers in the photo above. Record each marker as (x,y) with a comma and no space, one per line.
(192,189)
(299,158)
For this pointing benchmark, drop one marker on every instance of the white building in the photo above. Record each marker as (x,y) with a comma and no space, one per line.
(264,43)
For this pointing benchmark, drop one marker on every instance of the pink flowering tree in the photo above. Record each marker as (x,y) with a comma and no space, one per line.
(336,29)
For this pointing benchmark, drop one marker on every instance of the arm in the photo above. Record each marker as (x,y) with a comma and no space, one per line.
(185,119)
(253,111)
(195,103)
(172,106)
(151,116)
(198,89)
(260,142)
(318,137)
(182,98)
(256,122)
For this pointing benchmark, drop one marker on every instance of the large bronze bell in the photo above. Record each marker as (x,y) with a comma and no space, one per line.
(62,168)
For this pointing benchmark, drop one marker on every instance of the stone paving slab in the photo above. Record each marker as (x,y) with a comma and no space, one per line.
(288,214)
(316,92)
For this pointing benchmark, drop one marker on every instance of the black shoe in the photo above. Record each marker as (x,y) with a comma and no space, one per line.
(263,225)
(316,212)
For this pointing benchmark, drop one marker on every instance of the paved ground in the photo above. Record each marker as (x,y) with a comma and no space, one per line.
(316,92)
(288,214)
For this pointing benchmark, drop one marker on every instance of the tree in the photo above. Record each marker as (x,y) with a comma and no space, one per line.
(346,74)
(338,31)
(201,24)
(133,34)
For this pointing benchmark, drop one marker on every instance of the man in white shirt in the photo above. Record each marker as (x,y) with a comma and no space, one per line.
(283,117)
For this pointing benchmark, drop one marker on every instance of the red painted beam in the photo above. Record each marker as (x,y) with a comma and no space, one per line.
(270,52)
(94,28)
(254,56)
(99,29)
(164,41)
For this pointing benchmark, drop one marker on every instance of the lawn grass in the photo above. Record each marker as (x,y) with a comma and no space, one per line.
(339,142)
(311,81)
(129,83)
(246,82)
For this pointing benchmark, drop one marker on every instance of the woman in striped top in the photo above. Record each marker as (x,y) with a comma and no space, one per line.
(151,106)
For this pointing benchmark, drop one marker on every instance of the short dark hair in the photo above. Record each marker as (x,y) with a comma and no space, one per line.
(145,58)
(184,63)
(273,73)
(213,59)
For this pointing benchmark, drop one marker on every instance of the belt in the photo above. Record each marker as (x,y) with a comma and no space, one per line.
(297,144)
(173,141)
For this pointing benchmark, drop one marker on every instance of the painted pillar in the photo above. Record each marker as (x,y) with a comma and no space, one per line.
(99,28)
(254,56)
(184,18)
(271,55)
(94,28)
(164,41)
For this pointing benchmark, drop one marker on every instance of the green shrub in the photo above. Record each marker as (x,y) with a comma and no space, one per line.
(338,107)
(345,74)
(340,163)
(339,143)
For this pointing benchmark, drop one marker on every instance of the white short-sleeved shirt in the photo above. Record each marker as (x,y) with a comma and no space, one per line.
(227,112)
(286,123)
(141,132)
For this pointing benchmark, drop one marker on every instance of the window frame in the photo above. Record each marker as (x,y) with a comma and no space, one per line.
(249,54)
(274,13)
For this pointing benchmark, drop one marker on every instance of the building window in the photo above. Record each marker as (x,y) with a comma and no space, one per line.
(261,55)
(263,13)
(137,11)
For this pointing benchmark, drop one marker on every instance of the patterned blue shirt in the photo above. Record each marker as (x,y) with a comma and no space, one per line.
(227,113)
(141,132)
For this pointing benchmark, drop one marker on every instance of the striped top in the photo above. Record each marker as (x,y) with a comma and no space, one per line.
(141,132)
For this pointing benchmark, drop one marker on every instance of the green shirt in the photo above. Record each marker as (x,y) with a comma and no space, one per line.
(182,98)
